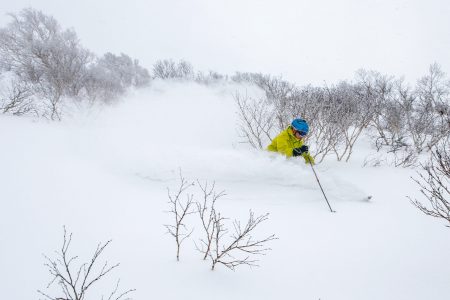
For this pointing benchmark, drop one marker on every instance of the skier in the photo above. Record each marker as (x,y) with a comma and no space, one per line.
(290,141)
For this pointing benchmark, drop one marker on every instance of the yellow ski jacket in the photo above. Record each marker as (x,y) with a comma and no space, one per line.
(285,142)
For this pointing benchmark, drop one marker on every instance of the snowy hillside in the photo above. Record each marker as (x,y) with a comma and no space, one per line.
(104,175)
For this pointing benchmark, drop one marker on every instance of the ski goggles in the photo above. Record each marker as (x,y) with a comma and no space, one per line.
(300,132)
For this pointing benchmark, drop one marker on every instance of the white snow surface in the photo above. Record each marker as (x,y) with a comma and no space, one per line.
(105,174)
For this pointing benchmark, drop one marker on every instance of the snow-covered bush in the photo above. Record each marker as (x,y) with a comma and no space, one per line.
(210,78)
(168,69)
(432,109)
(408,120)
(388,121)
(35,48)
(337,115)
(111,75)
(402,121)
(127,71)
(47,64)
(16,97)
(350,111)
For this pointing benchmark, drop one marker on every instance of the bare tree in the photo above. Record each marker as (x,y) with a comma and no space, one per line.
(278,92)
(168,69)
(404,157)
(434,184)
(388,120)
(185,70)
(180,208)
(241,247)
(164,69)
(433,91)
(126,71)
(352,111)
(206,210)
(313,104)
(256,120)
(35,48)
(17,99)
(111,75)
(75,282)
(51,61)
(214,243)
(210,78)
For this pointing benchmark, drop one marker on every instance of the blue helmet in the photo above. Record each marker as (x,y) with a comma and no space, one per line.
(300,125)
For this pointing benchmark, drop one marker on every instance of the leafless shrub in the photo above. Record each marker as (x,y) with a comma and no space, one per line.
(324,138)
(180,208)
(56,68)
(433,92)
(313,104)
(231,251)
(400,125)
(127,70)
(353,111)
(16,98)
(434,184)
(388,120)
(256,120)
(75,282)
(241,247)
(278,93)
(165,69)
(185,70)
(102,85)
(168,69)
(337,115)
(206,210)
(285,102)
(210,78)
(111,75)
(35,48)
(412,120)
(405,157)
(373,160)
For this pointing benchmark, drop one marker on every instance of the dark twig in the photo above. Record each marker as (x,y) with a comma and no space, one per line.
(434,184)
(241,241)
(75,282)
(179,210)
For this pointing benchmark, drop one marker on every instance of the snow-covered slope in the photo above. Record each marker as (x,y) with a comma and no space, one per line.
(105,175)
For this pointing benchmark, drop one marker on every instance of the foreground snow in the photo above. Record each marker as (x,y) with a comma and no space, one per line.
(105,176)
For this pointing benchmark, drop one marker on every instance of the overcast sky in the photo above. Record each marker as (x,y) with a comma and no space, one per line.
(305,41)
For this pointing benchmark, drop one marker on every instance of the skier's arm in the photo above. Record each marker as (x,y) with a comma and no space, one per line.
(309,159)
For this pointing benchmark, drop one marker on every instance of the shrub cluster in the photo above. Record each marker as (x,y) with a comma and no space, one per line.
(42,64)
(168,69)
(402,120)
(239,248)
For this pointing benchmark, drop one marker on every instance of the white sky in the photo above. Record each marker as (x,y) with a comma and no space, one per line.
(304,41)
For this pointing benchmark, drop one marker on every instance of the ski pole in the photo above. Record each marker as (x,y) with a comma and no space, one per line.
(317,178)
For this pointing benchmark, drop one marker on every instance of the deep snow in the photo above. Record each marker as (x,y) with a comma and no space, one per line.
(104,175)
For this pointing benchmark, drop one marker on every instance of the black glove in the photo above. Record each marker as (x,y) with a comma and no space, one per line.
(300,151)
